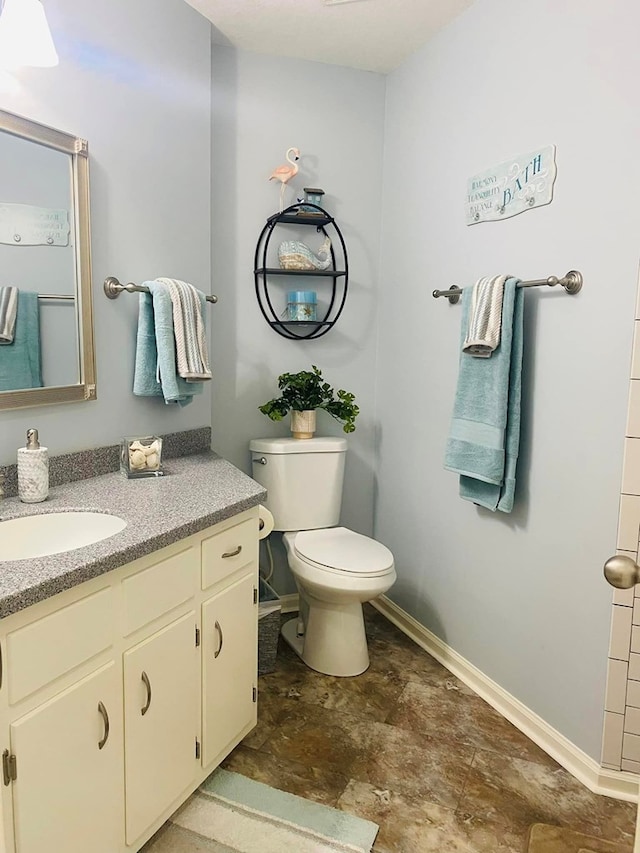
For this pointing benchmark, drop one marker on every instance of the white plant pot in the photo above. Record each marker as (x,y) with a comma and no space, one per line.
(303,424)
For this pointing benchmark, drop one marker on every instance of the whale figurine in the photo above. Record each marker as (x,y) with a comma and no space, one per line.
(294,255)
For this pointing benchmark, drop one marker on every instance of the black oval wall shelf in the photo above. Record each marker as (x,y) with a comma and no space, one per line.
(333,281)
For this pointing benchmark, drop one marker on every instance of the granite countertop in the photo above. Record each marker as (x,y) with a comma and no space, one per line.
(195,492)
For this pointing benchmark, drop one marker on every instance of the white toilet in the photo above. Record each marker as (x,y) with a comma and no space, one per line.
(336,570)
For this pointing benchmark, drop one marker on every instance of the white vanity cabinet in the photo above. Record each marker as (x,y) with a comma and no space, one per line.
(68,793)
(230,638)
(161,722)
(119,696)
(228,667)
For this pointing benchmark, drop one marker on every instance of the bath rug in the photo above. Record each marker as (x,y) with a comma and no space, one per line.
(250,817)
(556,839)
(175,839)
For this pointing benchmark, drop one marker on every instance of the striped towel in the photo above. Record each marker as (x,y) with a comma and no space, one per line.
(191,342)
(485,317)
(8,313)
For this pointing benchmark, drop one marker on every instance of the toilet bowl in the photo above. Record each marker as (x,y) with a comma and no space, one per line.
(336,570)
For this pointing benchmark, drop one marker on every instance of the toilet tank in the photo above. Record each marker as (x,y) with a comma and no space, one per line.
(303,479)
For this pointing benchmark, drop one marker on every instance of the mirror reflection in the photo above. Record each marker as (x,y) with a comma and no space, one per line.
(46,334)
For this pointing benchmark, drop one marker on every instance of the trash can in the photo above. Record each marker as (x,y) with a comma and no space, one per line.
(269,608)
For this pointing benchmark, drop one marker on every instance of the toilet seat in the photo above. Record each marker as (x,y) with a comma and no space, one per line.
(342,551)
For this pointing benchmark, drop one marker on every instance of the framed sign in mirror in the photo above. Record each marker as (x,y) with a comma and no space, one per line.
(46,316)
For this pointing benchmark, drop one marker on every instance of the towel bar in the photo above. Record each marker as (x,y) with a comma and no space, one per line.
(572,283)
(56,296)
(113,289)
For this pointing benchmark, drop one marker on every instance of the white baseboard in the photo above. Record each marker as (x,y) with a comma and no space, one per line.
(610,783)
(289,602)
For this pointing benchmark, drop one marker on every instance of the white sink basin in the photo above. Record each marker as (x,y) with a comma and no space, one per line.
(53,533)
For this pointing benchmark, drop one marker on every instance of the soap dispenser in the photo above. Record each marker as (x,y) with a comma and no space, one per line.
(33,470)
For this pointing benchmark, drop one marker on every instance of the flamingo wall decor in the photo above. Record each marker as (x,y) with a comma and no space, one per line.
(285,172)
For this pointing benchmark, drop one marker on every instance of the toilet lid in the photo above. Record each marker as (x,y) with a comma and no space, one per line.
(342,549)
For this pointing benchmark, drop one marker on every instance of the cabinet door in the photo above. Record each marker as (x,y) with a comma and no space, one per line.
(229,667)
(161,701)
(68,792)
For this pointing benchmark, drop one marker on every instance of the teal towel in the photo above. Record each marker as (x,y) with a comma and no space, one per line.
(20,363)
(156,373)
(485,429)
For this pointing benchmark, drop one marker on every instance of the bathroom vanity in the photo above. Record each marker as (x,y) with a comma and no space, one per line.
(129,667)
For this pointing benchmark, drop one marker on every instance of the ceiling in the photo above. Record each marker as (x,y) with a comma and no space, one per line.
(375,35)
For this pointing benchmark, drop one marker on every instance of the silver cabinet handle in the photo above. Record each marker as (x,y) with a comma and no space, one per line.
(147,684)
(621,572)
(103,711)
(220,637)
(232,553)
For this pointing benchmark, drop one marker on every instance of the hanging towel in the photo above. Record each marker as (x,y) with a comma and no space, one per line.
(155,372)
(8,311)
(485,429)
(20,365)
(188,325)
(485,316)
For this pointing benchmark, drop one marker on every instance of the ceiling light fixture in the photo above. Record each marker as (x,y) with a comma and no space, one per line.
(25,37)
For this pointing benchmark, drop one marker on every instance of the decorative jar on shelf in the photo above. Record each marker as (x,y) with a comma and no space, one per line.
(302,306)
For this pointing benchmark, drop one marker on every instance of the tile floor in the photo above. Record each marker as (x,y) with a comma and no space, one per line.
(410,747)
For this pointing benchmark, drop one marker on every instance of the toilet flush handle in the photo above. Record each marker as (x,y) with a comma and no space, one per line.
(260,460)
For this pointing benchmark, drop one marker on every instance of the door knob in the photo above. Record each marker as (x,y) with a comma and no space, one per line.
(622,572)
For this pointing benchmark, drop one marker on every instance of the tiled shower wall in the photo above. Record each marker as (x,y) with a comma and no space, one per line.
(621,738)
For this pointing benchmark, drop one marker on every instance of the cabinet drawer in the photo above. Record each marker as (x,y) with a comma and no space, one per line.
(158,589)
(54,645)
(225,552)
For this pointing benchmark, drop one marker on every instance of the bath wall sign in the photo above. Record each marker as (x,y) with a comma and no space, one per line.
(26,225)
(522,183)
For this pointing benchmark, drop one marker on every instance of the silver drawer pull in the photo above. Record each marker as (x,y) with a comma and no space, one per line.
(147,684)
(221,638)
(105,717)
(232,553)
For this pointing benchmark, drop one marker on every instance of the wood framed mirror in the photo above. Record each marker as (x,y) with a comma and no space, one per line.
(47,353)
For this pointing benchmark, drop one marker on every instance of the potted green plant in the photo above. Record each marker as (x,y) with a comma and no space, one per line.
(305,392)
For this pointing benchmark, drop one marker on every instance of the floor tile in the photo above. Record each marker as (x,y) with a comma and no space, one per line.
(392,652)
(378,625)
(313,783)
(520,793)
(556,839)
(411,825)
(453,713)
(370,696)
(373,752)
(401,660)
(270,711)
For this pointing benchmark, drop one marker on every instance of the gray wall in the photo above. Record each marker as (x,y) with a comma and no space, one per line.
(261,107)
(136,84)
(521,596)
